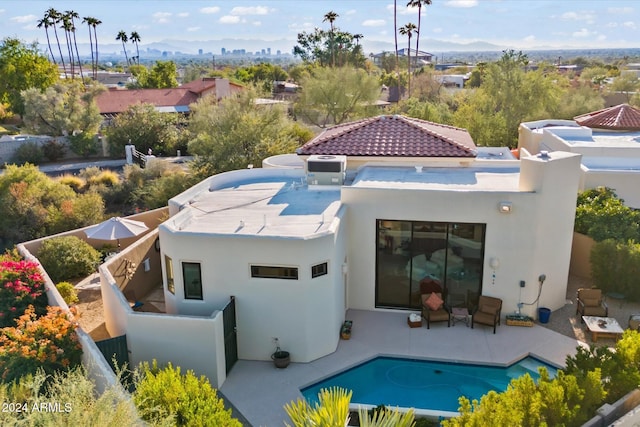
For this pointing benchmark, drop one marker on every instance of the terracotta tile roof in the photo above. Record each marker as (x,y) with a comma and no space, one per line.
(619,117)
(117,101)
(392,136)
(205,84)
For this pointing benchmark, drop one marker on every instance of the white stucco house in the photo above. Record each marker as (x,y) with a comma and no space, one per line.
(608,140)
(368,211)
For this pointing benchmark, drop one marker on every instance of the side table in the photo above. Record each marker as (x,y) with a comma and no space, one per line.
(459,314)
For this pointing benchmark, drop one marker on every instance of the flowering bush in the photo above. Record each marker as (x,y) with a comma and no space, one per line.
(21,285)
(48,342)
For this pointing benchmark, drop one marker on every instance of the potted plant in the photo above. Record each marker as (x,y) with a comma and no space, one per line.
(280,358)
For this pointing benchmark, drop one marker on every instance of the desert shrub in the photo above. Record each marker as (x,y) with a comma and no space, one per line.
(21,286)
(83,144)
(79,402)
(72,181)
(68,257)
(105,177)
(189,400)
(67,292)
(48,342)
(53,150)
(29,152)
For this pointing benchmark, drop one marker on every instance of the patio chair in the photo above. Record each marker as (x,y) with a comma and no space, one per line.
(488,312)
(434,309)
(589,302)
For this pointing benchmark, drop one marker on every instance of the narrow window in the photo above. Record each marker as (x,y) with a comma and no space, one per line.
(168,267)
(192,280)
(272,272)
(318,270)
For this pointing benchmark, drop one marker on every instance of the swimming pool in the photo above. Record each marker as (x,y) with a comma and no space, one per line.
(431,387)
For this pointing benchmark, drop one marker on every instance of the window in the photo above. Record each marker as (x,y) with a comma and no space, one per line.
(168,267)
(271,272)
(192,280)
(318,270)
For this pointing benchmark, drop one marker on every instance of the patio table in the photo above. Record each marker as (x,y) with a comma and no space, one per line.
(602,327)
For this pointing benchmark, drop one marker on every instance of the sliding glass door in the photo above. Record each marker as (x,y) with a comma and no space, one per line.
(416,256)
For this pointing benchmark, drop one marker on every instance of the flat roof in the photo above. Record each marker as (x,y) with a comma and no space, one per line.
(440,178)
(274,206)
(604,139)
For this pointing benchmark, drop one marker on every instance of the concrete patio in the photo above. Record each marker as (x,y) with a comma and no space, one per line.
(259,390)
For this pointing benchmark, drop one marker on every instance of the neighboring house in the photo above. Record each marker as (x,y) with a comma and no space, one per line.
(418,58)
(369,211)
(608,140)
(456,81)
(175,100)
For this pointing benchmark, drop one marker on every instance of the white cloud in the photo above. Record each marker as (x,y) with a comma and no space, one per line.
(193,29)
(530,38)
(161,17)
(582,33)
(2,11)
(629,24)
(24,19)
(579,16)
(228,19)
(210,10)
(256,23)
(620,10)
(374,23)
(461,3)
(401,10)
(252,10)
(305,26)
(602,38)
(183,15)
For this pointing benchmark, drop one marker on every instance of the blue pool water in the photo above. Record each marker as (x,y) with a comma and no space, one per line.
(423,384)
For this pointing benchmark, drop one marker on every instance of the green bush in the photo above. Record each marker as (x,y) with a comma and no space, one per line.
(68,292)
(615,267)
(601,215)
(53,150)
(83,144)
(28,152)
(190,401)
(68,257)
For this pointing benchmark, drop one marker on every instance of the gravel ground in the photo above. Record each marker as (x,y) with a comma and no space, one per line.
(565,321)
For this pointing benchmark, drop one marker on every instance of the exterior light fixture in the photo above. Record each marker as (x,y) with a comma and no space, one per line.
(494,263)
(505,207)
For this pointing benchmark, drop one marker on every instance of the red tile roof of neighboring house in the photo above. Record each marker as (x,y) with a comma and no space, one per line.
(392,136)
(206,83)
(117,101)
(619,117)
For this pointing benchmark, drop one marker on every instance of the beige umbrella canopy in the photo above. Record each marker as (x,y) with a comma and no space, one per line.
(116,228)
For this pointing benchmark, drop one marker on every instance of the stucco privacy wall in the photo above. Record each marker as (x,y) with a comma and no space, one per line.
(534,239)
(304,314)
(625,182)
(192,342)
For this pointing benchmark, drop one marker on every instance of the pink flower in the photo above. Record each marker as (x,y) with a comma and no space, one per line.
(12,309)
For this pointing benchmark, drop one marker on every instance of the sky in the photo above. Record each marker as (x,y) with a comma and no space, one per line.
(518,24)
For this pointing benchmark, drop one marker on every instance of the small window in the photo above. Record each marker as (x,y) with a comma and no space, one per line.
(270,272)
(192,280)
(318,270)
(168,267)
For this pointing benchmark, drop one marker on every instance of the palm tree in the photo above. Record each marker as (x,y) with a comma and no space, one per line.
(122,36)
(66,26)
(331,17)
(91,22)
(46,23)
(395,33)
(408,30)
(358,37)
(135,38)
(94,23)
(54,18)
(71,15)
(419,3)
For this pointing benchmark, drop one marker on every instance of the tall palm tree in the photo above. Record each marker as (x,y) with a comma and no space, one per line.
(419,3)
(395,33)
(66,26)
(89,21)
(135,38)
(358,37)
(71,16)
(408,30)
(46,23)
(122,36)
(331,17)
(54,18)
(94,23)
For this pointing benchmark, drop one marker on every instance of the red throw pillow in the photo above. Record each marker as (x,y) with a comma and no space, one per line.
(434,302)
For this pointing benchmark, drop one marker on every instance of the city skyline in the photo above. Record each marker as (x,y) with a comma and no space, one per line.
(505,23)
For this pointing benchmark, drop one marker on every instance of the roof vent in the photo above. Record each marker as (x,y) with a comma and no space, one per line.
(418,169)
(544,155)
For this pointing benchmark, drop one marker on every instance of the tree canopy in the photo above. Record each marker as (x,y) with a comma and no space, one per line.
(23,67)
(237,132)
(328,47)
(331,96)
(162,75)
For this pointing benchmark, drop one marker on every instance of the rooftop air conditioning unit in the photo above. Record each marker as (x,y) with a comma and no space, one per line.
(326,170)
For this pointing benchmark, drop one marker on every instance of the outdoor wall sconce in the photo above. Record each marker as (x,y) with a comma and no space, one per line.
(494,263)
(505,207)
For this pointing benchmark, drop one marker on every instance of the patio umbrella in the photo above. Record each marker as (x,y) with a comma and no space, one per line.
(116,228)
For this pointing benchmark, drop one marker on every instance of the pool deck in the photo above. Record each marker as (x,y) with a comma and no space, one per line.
(259,390)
